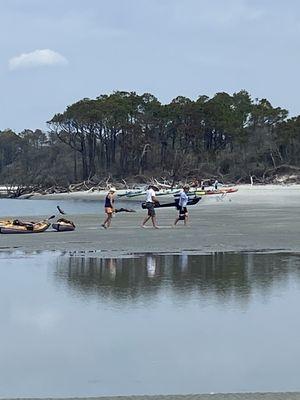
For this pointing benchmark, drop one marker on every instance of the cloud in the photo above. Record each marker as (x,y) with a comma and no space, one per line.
(37,58)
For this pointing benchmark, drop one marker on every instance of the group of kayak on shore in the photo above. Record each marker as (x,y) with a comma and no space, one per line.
(150,204)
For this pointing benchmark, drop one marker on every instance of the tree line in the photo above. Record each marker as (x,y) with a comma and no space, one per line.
(124,134)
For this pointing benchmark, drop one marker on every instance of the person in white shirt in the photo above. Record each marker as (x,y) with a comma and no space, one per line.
(150,202)
(183,212)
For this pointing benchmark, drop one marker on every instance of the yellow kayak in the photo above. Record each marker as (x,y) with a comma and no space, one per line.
(17,226)
(5,222)
(218,191)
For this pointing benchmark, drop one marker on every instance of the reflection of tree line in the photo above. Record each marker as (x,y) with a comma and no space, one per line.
(224,275)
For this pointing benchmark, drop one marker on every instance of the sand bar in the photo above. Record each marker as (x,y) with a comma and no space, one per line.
(253,219)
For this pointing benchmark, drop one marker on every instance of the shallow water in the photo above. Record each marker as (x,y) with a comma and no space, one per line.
(22,207)
(80,325)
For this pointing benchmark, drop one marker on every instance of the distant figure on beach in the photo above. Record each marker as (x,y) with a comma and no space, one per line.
(195,183)
(109,207)
(150,202)
(182,209)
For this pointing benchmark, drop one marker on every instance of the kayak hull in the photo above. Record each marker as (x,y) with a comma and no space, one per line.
(63,227)
(191,202)
(217,191)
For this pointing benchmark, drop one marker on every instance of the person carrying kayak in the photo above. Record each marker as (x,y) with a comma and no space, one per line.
(150,202)
(183,212)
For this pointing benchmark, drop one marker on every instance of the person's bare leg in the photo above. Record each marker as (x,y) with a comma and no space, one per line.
(154,222)
(109,220)
(186,219)
(176,220)
(105,222)
(145,220)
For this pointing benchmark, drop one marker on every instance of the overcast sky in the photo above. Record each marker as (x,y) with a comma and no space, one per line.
(55,52)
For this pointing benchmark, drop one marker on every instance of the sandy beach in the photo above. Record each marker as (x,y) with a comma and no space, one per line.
(258,218)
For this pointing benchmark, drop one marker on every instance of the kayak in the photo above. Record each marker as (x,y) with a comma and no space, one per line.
(200,192)
(217,191)
(5,222)
(135,194)
(25,227)
(131,193)
(161,192)
(166,192)
(191,195)
(229,190)
(191,202)
(63,225)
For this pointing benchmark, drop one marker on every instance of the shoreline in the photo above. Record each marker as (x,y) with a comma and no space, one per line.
(100,194)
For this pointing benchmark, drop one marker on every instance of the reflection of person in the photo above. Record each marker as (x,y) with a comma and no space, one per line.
(151,266)
(150,202)
(109,207)
(183,260)
(183,200)
(112,267)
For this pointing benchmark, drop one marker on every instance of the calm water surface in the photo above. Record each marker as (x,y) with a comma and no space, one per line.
(86,326)
(22,207)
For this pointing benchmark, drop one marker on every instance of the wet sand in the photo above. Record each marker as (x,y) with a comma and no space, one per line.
(253,219)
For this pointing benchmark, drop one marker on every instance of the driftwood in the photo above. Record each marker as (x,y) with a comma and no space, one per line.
(283,174)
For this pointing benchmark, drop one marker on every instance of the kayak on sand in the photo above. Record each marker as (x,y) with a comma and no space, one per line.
(207,192)
(17,226)
(217,191)
(63,225)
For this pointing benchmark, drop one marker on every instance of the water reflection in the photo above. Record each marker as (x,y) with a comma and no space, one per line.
(151,266)
(225,276)
(151,324)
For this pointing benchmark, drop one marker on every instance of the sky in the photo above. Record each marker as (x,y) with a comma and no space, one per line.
(56,52)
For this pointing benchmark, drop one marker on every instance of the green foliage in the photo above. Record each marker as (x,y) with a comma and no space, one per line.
(125,134)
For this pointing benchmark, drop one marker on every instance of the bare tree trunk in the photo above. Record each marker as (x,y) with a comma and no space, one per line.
(147,145)
(84,160)
(91,153)
(273,160)
(75,165)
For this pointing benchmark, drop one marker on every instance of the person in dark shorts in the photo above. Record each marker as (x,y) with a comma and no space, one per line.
(182,209)
(109,207)
(150,202)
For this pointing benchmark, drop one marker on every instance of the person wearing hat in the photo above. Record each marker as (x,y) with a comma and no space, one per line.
(183,200)
(109,207)
(150,202)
